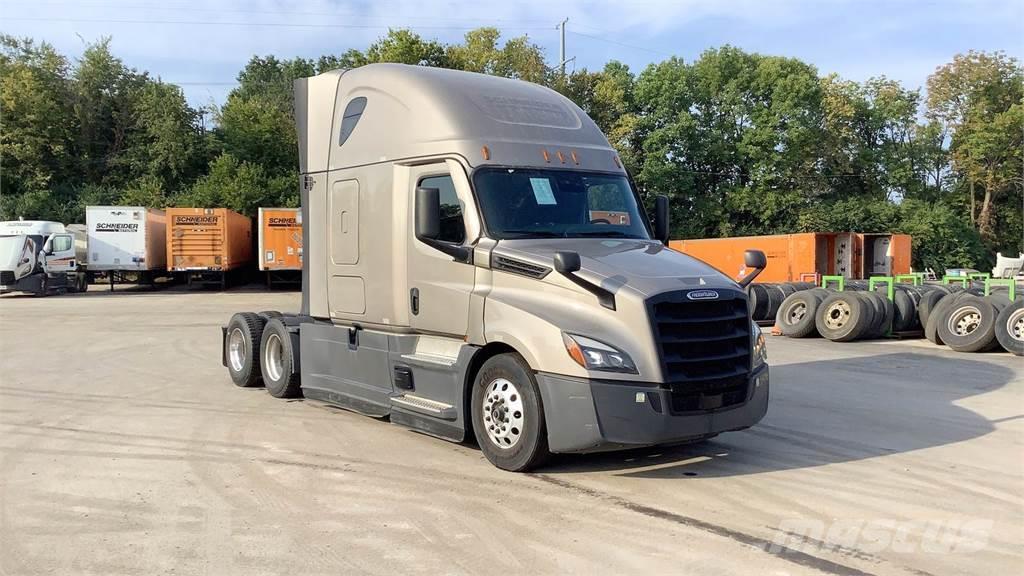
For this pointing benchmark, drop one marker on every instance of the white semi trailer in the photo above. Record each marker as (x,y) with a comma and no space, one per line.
(478,264)
(127,240)
(41,257)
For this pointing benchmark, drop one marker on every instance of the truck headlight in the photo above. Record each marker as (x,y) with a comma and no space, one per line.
(594,355)
(760,348)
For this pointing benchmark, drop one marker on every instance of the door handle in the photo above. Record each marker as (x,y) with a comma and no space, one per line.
(414,301)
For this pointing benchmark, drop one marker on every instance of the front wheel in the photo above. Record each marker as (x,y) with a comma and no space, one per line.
(508,416)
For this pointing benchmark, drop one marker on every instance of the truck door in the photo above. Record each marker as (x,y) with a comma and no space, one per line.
(439,287)
(27,258)
(59,252)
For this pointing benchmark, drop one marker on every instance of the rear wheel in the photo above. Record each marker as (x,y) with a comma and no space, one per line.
(241,348)
(508,416)
(279,360)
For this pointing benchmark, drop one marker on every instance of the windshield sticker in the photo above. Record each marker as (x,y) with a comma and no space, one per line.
(542,191)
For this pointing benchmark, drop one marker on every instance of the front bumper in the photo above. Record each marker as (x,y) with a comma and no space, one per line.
(593,415)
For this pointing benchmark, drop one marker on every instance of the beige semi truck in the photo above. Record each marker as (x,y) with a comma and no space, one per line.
(479,265)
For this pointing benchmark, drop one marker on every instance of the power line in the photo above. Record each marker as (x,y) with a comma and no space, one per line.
(255,24)
(191,9)
(623,44)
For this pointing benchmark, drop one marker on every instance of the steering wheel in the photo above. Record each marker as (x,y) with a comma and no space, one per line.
(600,221)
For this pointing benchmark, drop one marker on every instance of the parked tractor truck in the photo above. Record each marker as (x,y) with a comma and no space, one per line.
(478,264)
(41,257)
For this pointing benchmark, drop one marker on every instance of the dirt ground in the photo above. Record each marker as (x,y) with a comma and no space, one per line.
(125,449)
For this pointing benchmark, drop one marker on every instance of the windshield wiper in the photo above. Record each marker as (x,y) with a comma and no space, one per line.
(537,233)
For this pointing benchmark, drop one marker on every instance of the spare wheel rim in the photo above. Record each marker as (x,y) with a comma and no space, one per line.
(796,312)
(1015,325)
(964,320)
(837,314)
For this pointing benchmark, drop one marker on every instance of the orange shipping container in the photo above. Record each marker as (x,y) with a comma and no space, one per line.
(207,239)
(793,256)
(280,239)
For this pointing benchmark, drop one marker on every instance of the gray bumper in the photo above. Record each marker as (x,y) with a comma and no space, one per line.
(593,415)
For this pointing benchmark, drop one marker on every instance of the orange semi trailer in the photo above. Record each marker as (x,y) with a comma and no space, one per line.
(280,244)
(205,244)
(792,257)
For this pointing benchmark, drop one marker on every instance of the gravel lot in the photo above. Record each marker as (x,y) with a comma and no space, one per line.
(125,449)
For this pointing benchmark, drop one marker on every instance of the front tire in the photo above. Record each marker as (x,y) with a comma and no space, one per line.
(508,415)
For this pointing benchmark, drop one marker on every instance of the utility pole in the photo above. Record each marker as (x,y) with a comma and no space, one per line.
(561,47)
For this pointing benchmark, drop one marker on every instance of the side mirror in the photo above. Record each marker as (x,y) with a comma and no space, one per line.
(753,259)
(567,262)
(48,246)
(428,214)
(661,229)
(428,225)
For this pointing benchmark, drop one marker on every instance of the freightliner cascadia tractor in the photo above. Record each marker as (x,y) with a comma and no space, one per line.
(479,265)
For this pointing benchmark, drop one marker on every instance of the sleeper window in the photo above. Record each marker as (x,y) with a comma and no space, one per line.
(452,227)
(350,117)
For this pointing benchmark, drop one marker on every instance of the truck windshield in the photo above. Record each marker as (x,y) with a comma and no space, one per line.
(531,203)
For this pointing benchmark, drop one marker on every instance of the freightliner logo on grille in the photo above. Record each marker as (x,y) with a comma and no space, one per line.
(702,295)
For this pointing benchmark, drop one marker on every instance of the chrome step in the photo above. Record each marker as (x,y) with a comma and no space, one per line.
(430,359)
(425,406)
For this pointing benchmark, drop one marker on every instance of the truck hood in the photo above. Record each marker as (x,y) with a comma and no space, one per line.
(643,266)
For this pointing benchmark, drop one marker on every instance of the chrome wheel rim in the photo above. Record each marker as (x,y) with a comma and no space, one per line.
(964,320)
(796,313)
(503,413)
(1015,325)
(273,357)
(837,314)
(236,349)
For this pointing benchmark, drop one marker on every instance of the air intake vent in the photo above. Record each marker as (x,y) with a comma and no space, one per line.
(513,266)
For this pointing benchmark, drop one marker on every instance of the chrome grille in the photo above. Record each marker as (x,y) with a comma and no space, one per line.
(705,348)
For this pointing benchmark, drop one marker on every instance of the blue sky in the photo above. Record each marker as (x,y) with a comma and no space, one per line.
(202,44)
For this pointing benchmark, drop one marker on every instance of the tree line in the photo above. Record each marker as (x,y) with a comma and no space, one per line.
(742,143)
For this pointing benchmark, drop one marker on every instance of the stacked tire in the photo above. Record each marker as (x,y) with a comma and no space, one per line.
(961,317)
(970,322)
(765,300)
(1010,327)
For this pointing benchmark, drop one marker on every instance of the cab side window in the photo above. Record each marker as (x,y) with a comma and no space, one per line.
(61,243)
(453,229)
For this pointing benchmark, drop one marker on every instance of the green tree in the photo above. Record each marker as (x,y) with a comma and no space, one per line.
(241,186)
(978,96)
(35,97)
(404,46)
